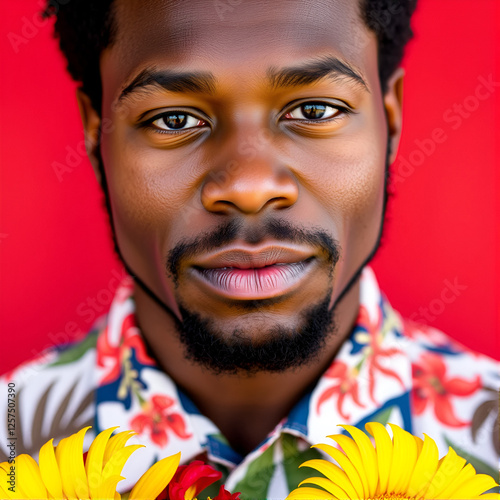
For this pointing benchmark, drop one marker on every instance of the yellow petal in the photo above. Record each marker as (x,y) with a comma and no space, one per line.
(117,442)
(69,456)
(449,468)
(95,457)
(156,478)
(403,459)
(368,456)
(310,494)
(107,489)
(77,466)
(468,472)
(63,457)
(346,465)
(489,496)
(352,452)
(420,444)
(425,468)
(117,461)
(383,449)
(328,485)
(333,473)
(28,474)
(474,487)
(50,471)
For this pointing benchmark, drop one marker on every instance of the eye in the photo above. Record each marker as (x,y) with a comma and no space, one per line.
(315,111)
(173,121)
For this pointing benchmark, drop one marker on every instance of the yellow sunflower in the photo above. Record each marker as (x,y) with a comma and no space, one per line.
(63,473)
(404,467)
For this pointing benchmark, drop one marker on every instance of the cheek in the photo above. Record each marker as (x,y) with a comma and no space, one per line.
(146,194)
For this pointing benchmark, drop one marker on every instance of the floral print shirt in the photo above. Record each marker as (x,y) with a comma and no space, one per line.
(388,370)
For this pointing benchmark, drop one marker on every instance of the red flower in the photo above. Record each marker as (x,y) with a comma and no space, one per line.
(375,351)
(347,384)
(226,495)
(190,480)
(110,356)
(159,421)
(431,385)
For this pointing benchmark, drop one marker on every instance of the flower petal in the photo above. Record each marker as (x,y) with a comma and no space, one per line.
(305,493)
(94,461)
(117,461)
(352,452)
(327,485)
(49,470)
(346,465)
(384,451)
(28,474)
(449,468)
(117,442)
(368,456)
(63,457)
(474,487)
(155,479)
(466,473)
(334,473)
(107,489)
(77,465)
(425,468)
(403,459)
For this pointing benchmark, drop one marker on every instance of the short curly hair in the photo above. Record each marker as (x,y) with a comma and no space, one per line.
(86,27)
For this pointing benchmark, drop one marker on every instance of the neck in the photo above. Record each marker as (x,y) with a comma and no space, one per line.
(244,408)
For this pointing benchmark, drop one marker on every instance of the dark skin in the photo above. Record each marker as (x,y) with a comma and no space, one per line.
(327,173)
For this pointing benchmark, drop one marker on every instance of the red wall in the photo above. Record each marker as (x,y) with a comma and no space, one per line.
(57,269)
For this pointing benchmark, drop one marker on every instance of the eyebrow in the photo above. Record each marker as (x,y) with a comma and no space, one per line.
(171,81)
(314,71)
(204,82)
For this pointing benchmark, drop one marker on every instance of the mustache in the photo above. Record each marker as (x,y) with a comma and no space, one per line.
(229,232)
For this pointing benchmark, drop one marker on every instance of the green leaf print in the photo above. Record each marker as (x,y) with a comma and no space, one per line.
(75,352)
(292,458)
(259,473)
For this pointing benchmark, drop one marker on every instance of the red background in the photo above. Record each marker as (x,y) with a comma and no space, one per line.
(57,263)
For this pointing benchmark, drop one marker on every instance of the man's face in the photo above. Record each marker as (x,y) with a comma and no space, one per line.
(249,191)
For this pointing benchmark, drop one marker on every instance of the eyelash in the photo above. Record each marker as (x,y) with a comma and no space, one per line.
(343,110)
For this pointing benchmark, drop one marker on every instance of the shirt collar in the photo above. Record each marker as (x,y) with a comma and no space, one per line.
(369,375)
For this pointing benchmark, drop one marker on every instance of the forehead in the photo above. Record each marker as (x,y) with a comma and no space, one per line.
(243,36)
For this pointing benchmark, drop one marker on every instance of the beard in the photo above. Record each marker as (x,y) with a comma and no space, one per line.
(281,348)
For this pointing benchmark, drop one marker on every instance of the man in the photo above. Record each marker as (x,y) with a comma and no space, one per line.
(243,148)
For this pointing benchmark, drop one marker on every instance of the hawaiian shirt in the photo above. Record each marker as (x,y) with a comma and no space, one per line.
(388,370)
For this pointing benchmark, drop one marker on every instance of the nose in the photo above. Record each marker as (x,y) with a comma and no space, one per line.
(248,186)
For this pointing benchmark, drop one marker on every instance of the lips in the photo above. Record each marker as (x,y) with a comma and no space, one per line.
(240,273)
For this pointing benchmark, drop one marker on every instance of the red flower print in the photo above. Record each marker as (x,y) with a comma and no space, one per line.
(347,385)
(159,420)
(432,386)
(110,356)
(374,350)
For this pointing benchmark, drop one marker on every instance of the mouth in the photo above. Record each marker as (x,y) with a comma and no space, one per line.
(240,274)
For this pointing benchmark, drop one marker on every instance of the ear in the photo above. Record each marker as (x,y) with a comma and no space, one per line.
(91,123)
(393,104)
